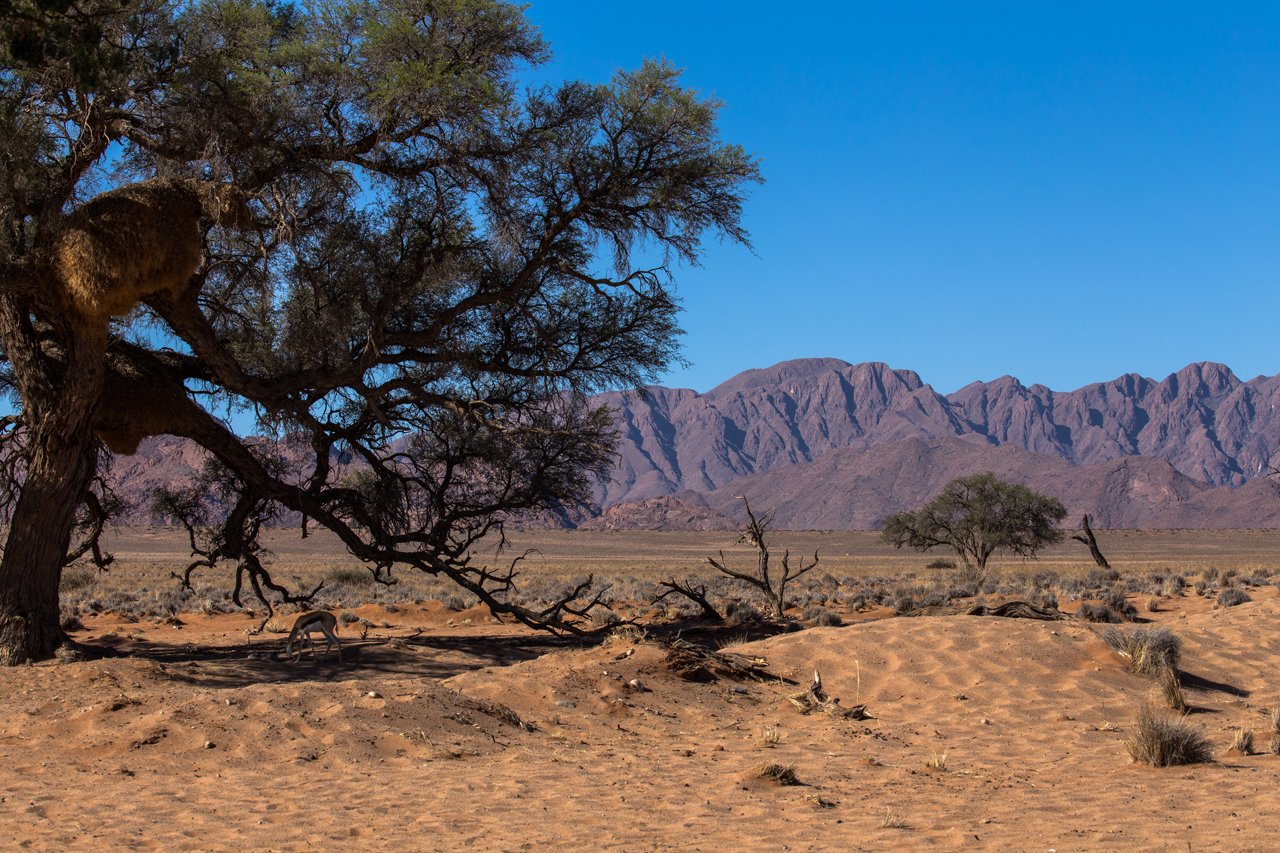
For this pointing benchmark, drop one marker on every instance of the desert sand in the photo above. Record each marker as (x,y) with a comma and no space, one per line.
(198,738)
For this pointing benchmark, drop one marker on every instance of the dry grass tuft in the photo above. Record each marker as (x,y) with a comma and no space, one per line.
(937,762)
(1154,652)
(783,774)
(1242,741)
(771,736)
(1164,740)
(275,626)
(892,820)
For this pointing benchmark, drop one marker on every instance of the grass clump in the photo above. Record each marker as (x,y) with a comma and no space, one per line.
(1162,739)
(1155,653)
(777,771)
(277,626)
(1242,741)
(1231,596)
(937,762)
(1150,650)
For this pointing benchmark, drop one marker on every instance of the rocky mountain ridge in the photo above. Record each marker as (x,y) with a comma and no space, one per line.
(1203,420)
(839,446)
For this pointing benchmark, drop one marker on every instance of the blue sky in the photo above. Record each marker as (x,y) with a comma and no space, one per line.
(1063,194)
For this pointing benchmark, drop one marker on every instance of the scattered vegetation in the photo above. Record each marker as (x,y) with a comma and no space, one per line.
(349,577)
(79,577)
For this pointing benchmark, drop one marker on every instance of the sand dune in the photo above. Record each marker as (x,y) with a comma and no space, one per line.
(201,746)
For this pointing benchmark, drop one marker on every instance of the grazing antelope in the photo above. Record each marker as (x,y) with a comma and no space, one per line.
(317,620)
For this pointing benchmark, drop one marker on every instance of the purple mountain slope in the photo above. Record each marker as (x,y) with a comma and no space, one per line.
(1203,420)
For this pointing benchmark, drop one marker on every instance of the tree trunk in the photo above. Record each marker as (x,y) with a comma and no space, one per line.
(39,533)
(61,456)
(1092,543)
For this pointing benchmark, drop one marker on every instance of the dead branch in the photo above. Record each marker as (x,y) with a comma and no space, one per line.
(696,594)
(815,699)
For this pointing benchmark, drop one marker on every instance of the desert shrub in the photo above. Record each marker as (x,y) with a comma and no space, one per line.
(1045,598)
(1201,586)
(1232,596)
(1173,586)
(1162,739)
(1071,588)
(1096,612)
(941,564)
(1150,650)
(70,621)
(1256,579)
(740,613)
(821,617)
(1153,605)
(902,603)
(602,617)
(1210,575)
(277,626)
(76,578)
(348,576)
(1045,579)
(858,602)
(1098,578)
(968,590)
(453,601)
(933,598)
(346,617)
(1154,652)
(1116,600)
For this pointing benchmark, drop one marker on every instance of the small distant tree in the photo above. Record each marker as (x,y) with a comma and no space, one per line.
(977,516)
(774,587)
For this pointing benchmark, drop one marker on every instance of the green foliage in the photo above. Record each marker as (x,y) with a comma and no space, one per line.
(977,516)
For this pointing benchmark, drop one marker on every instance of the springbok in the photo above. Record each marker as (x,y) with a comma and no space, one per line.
(317,620)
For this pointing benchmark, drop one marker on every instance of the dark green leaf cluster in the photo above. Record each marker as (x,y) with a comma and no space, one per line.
(977,516)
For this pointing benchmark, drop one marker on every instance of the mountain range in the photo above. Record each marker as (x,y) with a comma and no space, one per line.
(832,445)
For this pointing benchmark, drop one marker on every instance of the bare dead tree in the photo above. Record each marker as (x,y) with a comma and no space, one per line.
(1089,540)
(774,589)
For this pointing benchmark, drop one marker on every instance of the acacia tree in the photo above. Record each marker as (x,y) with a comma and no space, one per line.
(405,263)
(977,516)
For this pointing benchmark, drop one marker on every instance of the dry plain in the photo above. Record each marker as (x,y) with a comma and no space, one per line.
(196,737)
